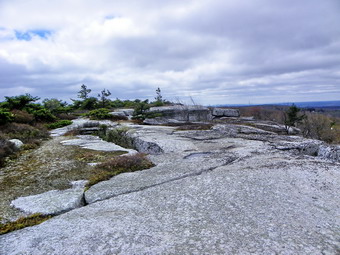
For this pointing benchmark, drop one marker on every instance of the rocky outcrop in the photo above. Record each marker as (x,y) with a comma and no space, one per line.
(230,190)
(223,112)
(185,113)
(95,143)
(82,123)
(161,121)
(309,147)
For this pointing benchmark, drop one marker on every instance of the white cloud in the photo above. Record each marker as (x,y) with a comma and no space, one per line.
(216,51)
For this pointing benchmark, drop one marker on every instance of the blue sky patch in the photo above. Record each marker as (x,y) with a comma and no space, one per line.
(27,36)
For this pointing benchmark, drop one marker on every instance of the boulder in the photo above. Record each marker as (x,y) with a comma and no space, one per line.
(17,143)
(329,152)
(188,113)
(223,112)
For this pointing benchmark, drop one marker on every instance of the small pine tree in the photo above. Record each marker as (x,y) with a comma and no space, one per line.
(291,117)
(103,97)
(159,99)
(84,92)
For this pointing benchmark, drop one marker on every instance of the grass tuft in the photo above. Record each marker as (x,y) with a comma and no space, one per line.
(23,222)
(118,165)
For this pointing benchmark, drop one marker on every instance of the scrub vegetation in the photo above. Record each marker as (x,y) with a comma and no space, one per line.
(316,123)
(118,165)
(27,118)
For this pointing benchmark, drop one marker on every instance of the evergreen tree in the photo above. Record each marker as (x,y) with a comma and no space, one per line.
(159,99)
(84,92)
(103,97)
(292,117)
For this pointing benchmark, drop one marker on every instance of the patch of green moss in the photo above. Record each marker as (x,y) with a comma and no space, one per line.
(23,222)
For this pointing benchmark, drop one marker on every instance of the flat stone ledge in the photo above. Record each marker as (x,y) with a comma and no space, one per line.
(53,202)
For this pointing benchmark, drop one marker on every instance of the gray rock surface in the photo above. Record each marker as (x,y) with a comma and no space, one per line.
(116,113)
(161,121)
(223,112)
(52,202)
(17,143)
(229,190)
(188,113)
(95,143)
(81,123)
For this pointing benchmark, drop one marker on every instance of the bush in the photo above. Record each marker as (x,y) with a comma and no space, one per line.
(66,116)
(140,110)
(43,115)
(24,132)
(59,124)
(117,165)
(89,103)
(119,137)
(5,116)
(22,117)
(320,126)
(99,114)
(20,102)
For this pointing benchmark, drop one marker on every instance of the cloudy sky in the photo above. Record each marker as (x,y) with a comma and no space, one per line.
(215,51)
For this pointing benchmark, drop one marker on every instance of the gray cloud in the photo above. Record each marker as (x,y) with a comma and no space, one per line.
(216,51)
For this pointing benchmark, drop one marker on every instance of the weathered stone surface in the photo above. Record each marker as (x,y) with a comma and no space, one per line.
(95,143)
(79,184)
(52,202)
(169,167)
(329,152)
(81,123)
(187,113)
(223,112)
(260,124)
(254,206)
(156,140)
(121,114)
(127,112)
(223,191)
(17,143)
(161,121)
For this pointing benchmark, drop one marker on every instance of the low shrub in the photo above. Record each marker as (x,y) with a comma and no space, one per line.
(43,115)
(25,132)
(33,144)
(118,136)
(99,114)
(22,117)
(117,165)
(59,124)
(5,116)
(140,110)
(23,222)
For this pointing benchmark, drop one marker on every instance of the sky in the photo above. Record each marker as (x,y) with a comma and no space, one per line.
(213,51)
